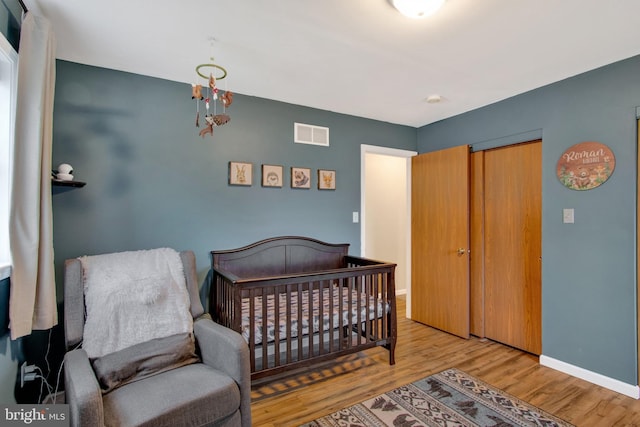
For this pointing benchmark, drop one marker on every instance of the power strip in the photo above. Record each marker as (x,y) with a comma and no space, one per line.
(27,373)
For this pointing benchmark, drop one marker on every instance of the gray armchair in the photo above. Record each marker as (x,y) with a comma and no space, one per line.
(214,391)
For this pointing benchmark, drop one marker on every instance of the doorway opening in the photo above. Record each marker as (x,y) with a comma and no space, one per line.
(385,210)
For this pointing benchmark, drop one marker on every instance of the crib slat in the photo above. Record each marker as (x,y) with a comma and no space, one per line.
(375,291)
(265,328)
(319,299)
(368,301)
(384,318)
(310,320)
(373,307)
(299,322)
(288,324)
(224,301)
(349,330)
(331,322)
(358,325)
(276,329)
(341,324)
(252,328)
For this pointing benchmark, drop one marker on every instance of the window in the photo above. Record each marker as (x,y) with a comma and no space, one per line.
(8,85)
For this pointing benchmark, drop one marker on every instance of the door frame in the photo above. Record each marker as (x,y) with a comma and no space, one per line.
(638,243)
(394,152)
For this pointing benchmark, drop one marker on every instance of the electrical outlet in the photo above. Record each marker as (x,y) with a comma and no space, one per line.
(27,373)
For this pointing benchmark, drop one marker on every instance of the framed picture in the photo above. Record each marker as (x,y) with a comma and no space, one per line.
(326,179)
(240,173)
(271,176)
(300,177)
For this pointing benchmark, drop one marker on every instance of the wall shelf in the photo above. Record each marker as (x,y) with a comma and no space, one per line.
(58,186)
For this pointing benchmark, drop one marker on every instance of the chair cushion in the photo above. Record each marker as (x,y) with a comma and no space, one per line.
(145,359)
(170,399)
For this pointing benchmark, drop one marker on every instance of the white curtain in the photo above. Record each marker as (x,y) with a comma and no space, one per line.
(33,290)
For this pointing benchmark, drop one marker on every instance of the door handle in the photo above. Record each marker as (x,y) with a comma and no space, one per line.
(461,251)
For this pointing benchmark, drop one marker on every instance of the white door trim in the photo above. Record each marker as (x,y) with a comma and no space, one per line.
(395,152)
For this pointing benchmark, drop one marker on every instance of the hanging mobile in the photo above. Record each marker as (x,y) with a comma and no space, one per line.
(225,99)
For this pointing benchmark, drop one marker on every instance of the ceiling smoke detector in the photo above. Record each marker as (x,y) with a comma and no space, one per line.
(434,99)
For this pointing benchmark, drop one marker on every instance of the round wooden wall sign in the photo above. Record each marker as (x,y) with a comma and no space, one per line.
(585,166)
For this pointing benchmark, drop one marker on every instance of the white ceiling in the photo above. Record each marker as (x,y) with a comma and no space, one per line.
(357,57)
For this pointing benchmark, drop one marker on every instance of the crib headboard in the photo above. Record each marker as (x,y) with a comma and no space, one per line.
(281,255)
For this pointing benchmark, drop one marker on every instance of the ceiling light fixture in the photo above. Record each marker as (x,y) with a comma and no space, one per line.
(417,8)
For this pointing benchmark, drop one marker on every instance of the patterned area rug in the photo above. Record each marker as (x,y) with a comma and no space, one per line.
(449,398)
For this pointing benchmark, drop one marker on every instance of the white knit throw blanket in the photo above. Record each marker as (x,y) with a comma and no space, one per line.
(133,297)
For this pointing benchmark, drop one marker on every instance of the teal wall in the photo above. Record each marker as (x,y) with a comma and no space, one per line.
(153,181)
(588,269)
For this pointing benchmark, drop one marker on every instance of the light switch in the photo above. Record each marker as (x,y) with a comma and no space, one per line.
(567,216)
(356,217)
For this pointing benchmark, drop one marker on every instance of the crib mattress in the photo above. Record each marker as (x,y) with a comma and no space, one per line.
(310,317)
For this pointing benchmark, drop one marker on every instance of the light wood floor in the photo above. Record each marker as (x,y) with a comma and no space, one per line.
(295,398)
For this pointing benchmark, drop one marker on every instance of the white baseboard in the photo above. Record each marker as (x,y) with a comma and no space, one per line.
(595,378)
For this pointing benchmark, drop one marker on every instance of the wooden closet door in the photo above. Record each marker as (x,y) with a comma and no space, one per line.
(476,242)
(512,233)
(440,239)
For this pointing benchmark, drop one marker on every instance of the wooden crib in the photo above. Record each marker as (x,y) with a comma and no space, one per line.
(298,301)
